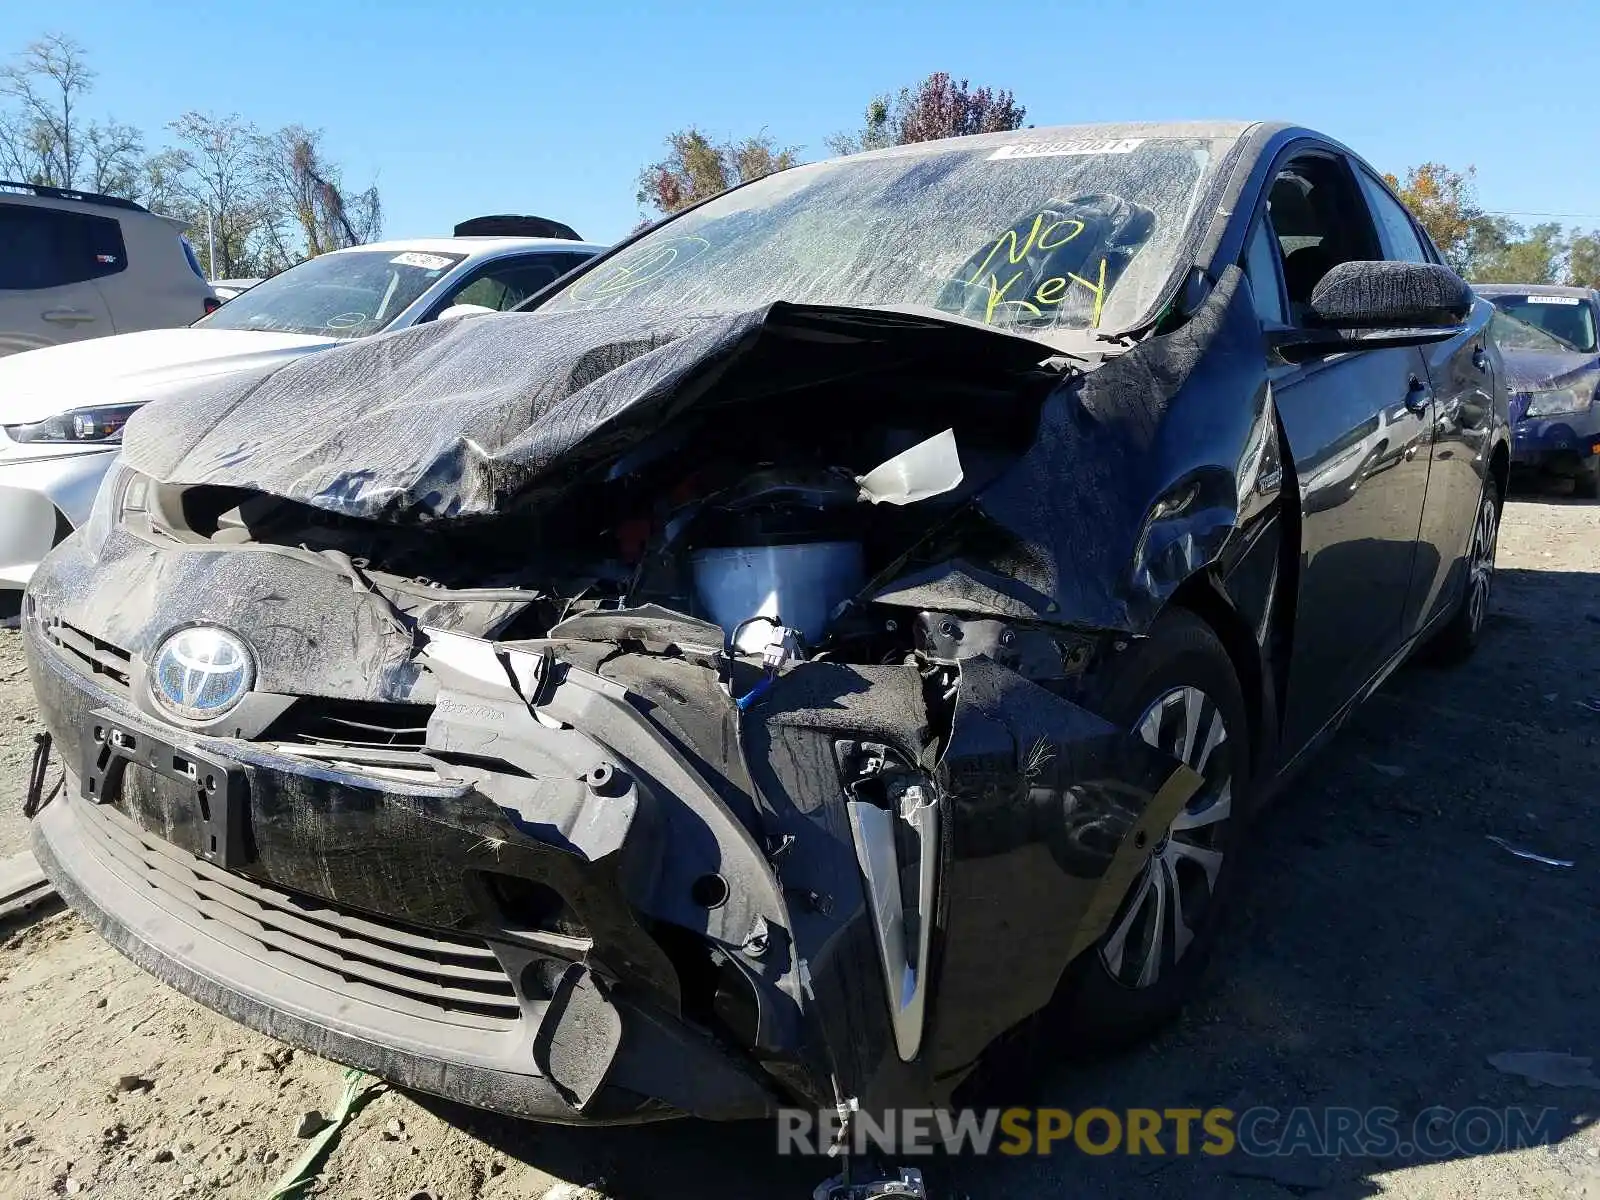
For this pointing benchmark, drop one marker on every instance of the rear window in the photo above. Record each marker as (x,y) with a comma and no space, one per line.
(1567,322)
(191,258)
(48,247)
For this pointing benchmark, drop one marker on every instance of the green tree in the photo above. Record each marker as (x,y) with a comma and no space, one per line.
(697,168)
(937,107)
(1518,255)
(1445,203)
(1583,259)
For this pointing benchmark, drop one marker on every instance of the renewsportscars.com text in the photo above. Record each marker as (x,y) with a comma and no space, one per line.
(1260,1132)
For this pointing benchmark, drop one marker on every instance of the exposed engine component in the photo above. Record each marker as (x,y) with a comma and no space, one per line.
(797,586)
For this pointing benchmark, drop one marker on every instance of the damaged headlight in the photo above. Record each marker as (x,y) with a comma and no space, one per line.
(1559,401)
(101,423)
(122,490)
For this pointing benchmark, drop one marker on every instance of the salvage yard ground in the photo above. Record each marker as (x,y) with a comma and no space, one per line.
(1383,948)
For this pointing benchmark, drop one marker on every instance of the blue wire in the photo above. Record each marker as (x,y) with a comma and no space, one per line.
(755,693)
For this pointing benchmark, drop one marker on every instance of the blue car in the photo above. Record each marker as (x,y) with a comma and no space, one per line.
(1547,336)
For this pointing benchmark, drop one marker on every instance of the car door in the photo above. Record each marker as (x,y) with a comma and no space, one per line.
(1461,374)
(47,270)
(1356,424)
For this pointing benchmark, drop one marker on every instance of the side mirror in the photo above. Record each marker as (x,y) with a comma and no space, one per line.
(1374,305)
(1389,295)
(456,311)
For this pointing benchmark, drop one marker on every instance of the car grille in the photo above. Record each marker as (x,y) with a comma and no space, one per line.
(315,721)
(110,664)
(427,972)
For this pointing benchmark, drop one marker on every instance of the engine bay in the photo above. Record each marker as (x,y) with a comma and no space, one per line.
(772,517)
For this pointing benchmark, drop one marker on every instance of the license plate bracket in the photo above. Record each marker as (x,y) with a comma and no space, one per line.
(221,789)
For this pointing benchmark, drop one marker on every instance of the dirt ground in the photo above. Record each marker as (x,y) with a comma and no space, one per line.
(1383,948)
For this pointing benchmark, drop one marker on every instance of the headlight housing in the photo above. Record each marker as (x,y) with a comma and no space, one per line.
(100,423)
(1562,400)
(122,490)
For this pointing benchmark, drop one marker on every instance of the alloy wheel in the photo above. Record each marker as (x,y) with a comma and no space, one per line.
(1157,921)
(1485,537)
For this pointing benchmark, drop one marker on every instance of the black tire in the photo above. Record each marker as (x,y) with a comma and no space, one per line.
(1098,1008)
(1460,636)
(1586,483)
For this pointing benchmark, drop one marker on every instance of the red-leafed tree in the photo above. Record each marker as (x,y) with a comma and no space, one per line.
(938,107)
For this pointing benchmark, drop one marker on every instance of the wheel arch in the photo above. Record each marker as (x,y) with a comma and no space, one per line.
(1500,469)
(1204,595)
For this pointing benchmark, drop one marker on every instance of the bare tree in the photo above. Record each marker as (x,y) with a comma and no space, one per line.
(217,171)
(161,185)
(269,200)
(45,83)
(115,159)
(307,189)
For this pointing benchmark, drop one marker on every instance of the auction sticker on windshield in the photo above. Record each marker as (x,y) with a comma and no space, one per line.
(1065,149)
(1574,300)
(428,262)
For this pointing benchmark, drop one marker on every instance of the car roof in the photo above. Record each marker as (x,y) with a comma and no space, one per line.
(1524,289)
(1112,131)
(42,196)
(474,245)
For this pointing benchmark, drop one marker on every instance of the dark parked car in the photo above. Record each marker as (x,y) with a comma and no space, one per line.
(1546,335)
(836,642)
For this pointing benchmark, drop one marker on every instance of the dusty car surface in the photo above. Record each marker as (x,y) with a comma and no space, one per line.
(838,639)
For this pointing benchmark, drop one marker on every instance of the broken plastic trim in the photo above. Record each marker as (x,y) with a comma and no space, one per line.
(902,925)
(930,468)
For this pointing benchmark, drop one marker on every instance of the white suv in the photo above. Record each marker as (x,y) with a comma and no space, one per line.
(76,265)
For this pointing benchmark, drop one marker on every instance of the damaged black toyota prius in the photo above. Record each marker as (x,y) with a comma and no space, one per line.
(835,638)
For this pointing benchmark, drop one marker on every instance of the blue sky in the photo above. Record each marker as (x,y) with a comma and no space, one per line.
(493,106)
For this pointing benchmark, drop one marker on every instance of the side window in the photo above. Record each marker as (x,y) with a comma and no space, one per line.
(1399,235)
(28,257)
(1261,267)
(505,284)
(1320,220)
(102,243)
(45,247)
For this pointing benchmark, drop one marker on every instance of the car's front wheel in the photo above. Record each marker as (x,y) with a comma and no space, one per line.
(1178,691)
(1460,636)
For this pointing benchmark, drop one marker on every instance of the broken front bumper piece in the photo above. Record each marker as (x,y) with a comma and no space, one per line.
(605,894)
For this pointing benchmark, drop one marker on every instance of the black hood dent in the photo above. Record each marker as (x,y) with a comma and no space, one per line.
(462,419)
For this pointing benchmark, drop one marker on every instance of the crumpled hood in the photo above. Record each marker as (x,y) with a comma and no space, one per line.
(130,367)
(460,419)
(1534,370)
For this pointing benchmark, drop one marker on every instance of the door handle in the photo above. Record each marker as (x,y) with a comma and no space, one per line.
(1480,360)
(67,316)
(1418,397)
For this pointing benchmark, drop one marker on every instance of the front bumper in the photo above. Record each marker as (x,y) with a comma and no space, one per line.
(234,947)
(417,971)
(590,889)
(41,500)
